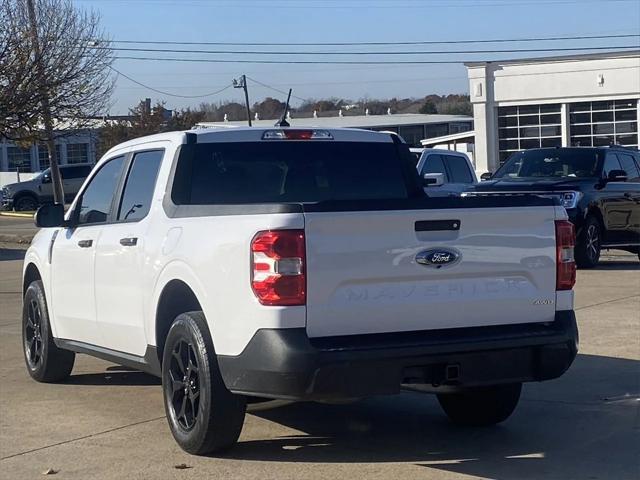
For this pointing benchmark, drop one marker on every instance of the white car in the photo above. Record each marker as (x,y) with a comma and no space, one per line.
(297,264)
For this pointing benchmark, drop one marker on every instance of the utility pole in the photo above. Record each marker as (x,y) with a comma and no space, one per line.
(56,179)
(242,83)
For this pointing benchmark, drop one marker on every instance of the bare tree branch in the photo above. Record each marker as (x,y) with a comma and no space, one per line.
(78,81)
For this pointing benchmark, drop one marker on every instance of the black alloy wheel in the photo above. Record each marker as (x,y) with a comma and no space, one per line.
(183,386)
(44,360)
(203,415)
(33,335)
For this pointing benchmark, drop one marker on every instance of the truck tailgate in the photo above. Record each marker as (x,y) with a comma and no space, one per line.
(363,277)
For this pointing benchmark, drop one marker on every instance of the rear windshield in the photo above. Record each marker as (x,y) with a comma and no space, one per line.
(284,172)
(555,163)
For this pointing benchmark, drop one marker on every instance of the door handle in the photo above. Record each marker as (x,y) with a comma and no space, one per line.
(85,243)
(129,241)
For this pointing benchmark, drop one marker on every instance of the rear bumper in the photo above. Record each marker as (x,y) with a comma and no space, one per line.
(285,363)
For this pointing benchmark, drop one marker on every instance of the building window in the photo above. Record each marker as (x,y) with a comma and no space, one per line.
(436,130)
(43,156)
(594,124)
(77,153)
(528,126)
(412,134)
(19,159)
(459,127)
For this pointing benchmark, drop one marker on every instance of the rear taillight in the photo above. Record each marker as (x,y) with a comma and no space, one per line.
(565,262)
(278,267)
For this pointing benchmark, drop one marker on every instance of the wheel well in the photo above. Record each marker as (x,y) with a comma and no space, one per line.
(31,274)
(594,212)
(176,298)
(25,193)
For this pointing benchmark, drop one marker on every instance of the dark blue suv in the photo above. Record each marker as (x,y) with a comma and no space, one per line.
(599,187)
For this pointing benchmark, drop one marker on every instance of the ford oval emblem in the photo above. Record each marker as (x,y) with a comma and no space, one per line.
(438,257)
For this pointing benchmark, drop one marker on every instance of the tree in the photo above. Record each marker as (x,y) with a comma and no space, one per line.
(269,108)
(428,107)
(54,72)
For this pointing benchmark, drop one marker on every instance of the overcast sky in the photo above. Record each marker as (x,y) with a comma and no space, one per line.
(284,21)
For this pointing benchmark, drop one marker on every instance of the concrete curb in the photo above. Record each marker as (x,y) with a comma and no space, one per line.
(17,214)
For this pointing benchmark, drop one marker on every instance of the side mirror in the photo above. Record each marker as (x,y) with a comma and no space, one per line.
(617,176)
(46,178)
(433,179)
(486,176)
(50,216)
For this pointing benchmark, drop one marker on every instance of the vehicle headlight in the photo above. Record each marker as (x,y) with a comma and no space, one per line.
(570,199)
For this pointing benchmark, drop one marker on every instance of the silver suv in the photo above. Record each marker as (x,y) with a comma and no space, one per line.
(29,195)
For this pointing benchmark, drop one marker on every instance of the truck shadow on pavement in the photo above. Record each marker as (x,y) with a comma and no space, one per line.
(8,254)
(584,425)
(618,265)
(113,376)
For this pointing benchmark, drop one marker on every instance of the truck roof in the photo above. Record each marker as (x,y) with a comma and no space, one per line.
(251,134)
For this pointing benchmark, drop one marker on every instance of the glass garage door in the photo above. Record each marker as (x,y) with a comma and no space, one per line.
(528,126)
(594,124)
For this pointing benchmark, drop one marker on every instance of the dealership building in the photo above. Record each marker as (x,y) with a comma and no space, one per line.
(579,100)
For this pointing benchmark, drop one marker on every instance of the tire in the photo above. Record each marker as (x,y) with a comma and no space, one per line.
(45,362)
(203,415)
(589,244)
(26,203)
(481,406)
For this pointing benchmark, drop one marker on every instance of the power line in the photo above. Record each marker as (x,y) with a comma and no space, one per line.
(276,89)
(337,44)
(430,52)
(308,62)
(167,93)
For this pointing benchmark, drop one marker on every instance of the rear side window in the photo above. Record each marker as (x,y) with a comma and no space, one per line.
(629,166)
(138,189)
(96,199)
(458,168)
(435,164)
(282,172)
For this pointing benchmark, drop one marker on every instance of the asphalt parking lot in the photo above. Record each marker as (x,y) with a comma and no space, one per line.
(108,422)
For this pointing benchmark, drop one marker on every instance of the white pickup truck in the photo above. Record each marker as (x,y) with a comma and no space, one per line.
(297,264)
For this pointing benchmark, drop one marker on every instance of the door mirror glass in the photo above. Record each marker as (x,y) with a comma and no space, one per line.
(617,176)
(433,179)
(486,176)
(50,216)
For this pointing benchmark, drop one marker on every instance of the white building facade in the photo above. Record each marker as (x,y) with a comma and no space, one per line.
(582,100)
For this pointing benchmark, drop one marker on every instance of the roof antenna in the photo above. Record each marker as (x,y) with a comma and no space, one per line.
(283,119)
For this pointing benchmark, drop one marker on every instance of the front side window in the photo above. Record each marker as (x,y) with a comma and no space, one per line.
(138,190)
(70,173)
(434,164)
(552,163)
(459,169)
(629,166)
(96,200)
(610,163)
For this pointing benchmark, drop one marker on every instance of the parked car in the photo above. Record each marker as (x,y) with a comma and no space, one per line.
(28,195)
(599,187)
(297,264)
(445,172)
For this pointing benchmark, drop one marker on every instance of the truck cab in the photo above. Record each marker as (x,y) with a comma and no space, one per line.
(445,172)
